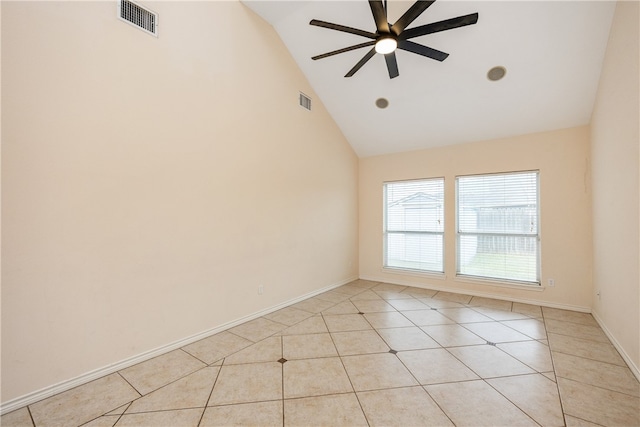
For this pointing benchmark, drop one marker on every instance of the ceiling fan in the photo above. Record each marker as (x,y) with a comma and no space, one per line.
(389,36)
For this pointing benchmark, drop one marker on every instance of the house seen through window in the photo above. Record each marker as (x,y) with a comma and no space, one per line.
(414,225)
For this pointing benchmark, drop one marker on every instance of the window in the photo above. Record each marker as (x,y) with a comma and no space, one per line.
(414,225)
(497,222)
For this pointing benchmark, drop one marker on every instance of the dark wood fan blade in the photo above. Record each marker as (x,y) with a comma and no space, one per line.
(346,49)
(436,27)
(410,15)
(422,50)
(343,28)
(392,64)
(379,15)
(360,63)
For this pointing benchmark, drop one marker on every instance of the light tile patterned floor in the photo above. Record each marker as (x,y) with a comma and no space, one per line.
(370,354)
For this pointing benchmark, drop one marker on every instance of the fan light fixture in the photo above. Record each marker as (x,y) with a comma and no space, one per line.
(389,37)
(386,45)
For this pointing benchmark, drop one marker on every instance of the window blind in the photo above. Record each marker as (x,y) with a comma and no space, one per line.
(497,226)
(414,225)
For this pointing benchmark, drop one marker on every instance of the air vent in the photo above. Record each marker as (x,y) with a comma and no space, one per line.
(305,101)
(138,16)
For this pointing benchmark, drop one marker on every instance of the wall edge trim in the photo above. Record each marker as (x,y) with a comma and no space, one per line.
(632,366)
(46,392)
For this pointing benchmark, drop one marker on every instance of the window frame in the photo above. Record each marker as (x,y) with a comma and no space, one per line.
(537,236)
(386,231)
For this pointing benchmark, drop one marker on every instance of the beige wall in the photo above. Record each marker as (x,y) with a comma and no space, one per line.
(150,185)
(565,219)
(615,144)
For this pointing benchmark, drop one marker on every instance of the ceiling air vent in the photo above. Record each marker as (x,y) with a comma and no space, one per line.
(138,16)
(305,101)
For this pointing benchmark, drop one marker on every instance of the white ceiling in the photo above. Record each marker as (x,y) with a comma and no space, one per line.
(552,50)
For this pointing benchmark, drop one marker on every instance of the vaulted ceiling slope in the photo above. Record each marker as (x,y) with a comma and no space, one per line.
(552,51)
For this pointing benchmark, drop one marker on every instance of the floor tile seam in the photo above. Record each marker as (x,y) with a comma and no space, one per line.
(474,308)
(332,301)
(240,336)
(335,394)
(525,364)
(344,393)
(525,334)
(594,325)
(468,330)
(433,399)
(583,419)
(522,409)
(128,405)
(163,386)
(573,336)
(197,358)
(555,373)
(213,386)
(261,339)
(100,416)
(284,325)
(282,379)
(467,366)
(346,295)
(384,341)
(291,359)
(408,370)
(297,335)
(593,360)
(128,382)
(33,422)
(514,342)
(608,342)
(450,382)
(161,410)
(470,323)
(330,336)
(598,386)
(344,368)
(242,402)
(295,323)
(76,387)
(319,394)
(495,342)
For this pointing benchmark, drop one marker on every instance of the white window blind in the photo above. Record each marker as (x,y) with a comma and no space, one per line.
(414,225)
(497,226)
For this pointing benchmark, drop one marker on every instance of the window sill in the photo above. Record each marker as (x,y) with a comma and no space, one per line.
(526,286)
(417,273)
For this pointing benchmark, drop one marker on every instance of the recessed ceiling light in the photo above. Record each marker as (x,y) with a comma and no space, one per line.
(382,103)
(496,73)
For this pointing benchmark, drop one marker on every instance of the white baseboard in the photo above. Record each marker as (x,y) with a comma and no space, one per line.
(60,387)
(479,294)
(632,366)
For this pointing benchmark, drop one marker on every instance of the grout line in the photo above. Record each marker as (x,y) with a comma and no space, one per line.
(553,365)
(345,369)
(282,373)
(522,410)
(206,404)
(122,414)
(31,416)
(127,381)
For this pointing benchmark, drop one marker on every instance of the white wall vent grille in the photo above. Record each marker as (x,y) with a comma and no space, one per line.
(305,101)
(138,16)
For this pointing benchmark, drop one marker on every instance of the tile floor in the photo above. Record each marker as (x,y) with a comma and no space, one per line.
(370,354)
